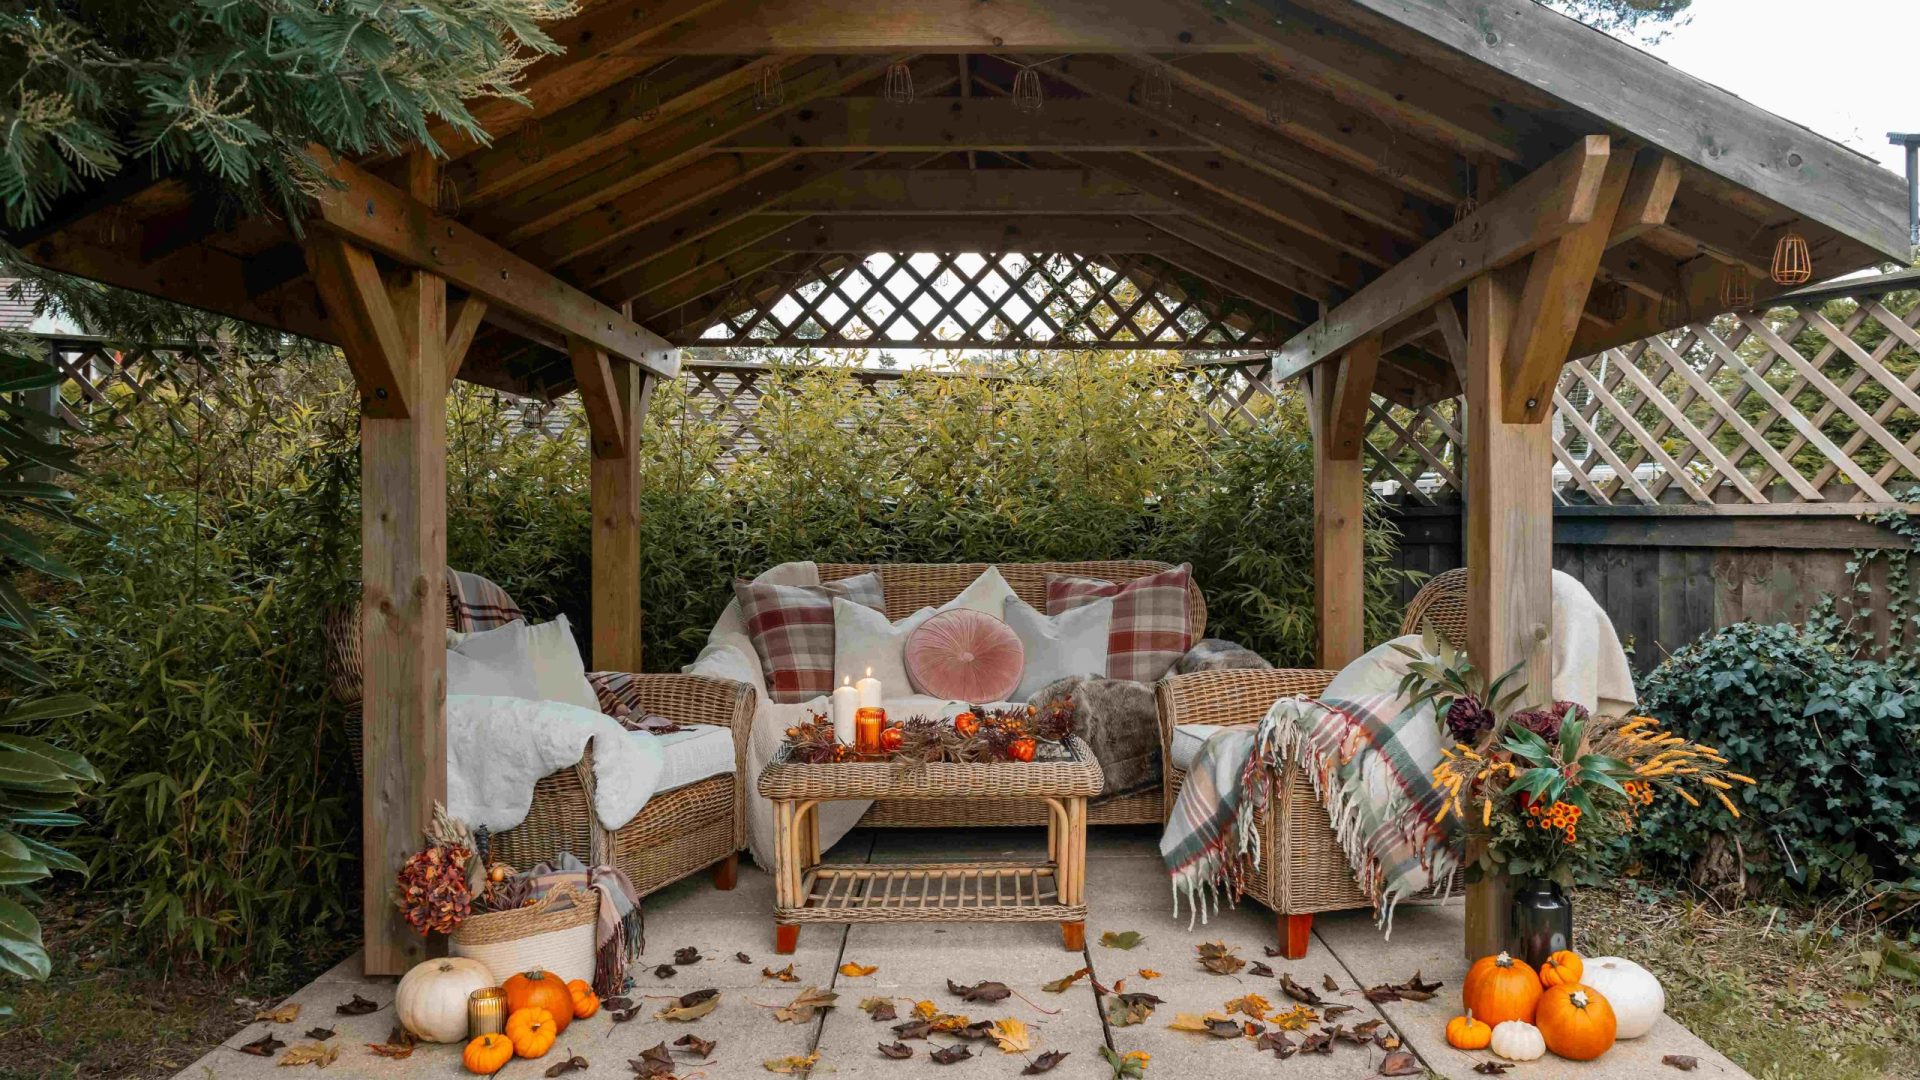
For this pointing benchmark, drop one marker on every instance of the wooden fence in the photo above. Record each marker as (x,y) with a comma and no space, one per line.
(1718,473)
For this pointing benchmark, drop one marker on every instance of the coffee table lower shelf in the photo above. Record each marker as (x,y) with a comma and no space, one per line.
(932,892)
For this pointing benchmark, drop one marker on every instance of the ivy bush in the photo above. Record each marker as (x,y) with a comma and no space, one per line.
(1832,738)
(227,821)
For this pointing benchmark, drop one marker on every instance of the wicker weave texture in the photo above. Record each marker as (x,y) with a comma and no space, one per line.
(1442,601)
(1132,808)
(1079,777)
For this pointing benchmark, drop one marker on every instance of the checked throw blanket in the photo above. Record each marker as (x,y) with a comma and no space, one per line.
(1370,757)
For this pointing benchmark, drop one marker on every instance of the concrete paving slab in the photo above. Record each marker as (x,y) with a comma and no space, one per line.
(1428,939)
(720,935)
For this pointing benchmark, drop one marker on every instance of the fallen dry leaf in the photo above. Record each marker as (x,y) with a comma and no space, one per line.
(1217,958)
(665,971)
(1401,1063)
(804,1005)
(686,955)
(952,1054)
(743,958)
(913,1029)
(1252,1005)
(1128,1066)
(396,1051)
(654,1063)
(898,1051)
(319,1055)
(1327,984)
(285,1014)
(1298,1018)
(1011,1036)
(320,1034)
(1044,1063)
(1147,973)
(1277,1042)
(1493,1068)
(1260,969)
(359,1006)
(1126,939)
(981,991)
(689,1007)
(854,971)
(1064,982)
(621,1016)
(1683,1062)
(1335,1012)
(793,1063)
(785,974)
(695,1045)
(1126,1010)
(878,1008)
(264,1046)
(1297,992)
(574,1063)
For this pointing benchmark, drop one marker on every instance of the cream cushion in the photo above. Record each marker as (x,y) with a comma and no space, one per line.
(539,663)
(701,751)
(1187,741)
(863,641)
(987,594)
(1058,646)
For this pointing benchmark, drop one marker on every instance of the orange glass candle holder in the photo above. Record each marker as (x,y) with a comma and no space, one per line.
(868,723)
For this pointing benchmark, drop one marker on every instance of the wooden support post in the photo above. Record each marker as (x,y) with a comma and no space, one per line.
(395,337)
(615,395)
(1340,393)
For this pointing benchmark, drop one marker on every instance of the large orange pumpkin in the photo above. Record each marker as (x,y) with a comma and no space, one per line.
(1563,968)
(531,1031)
(1501,988)
(487,1054)
(541,990)
(1576,1021)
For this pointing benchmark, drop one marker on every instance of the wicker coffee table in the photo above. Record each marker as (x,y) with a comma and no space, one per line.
(806,890)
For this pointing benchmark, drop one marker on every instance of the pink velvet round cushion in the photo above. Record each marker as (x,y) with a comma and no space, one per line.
(964,655)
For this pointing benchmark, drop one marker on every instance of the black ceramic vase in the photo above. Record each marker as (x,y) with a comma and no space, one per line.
(1542,921)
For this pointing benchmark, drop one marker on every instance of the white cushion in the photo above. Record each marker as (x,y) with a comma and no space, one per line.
(863,641)
(540,663)
(1070,643)
(702,750)
(1187,741)
(988,594)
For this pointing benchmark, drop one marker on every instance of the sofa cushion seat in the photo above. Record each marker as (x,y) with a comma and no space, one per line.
(693,755)
(1187,741)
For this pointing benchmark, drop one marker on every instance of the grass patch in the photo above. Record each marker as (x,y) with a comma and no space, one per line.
(108,1015)
(1788,995)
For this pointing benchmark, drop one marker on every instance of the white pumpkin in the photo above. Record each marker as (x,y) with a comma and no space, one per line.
(431,1001)
(1517,1040)
(1637,997)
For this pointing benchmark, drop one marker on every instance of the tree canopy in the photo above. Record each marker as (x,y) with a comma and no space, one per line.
(1647,19)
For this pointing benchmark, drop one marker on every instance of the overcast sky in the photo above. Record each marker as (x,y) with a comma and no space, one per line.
(1848,69)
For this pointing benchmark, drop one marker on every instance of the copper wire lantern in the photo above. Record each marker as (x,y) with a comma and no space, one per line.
(1157,91)
(1610,301)
(1028,97)
(768,91)
(898,86)
(1792,262)
(531,145)
(1736,288)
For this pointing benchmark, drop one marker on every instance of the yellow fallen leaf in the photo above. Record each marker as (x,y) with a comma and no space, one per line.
(1012,1036)
(793,1063)
(1148,973)
(926,1010)
(1190,1022)
(1298,1018)
(1252,1005)
(318,1054)
(854,971)
(285,1014)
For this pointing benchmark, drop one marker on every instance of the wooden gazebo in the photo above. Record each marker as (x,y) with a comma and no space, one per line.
(1410,198)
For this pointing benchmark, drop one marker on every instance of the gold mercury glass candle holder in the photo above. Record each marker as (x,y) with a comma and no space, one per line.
(486,1012)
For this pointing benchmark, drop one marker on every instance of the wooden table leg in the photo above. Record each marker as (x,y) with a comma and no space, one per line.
(786,938)
(1072,871)
(1073,936)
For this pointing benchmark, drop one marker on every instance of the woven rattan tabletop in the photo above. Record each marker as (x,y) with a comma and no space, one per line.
(1074,775)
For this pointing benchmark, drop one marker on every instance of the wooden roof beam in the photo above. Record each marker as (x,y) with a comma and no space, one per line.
(1236,280)
(1249,258)
(1551,202)
(1626,88)
(738,235)
(953,192)
(381,217)
(941,26)
(866,125)
(866,235)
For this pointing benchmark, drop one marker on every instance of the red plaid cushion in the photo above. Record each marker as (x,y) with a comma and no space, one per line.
(1150,628)
(792,630)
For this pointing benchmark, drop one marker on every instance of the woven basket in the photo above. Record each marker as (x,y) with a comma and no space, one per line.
(542,937)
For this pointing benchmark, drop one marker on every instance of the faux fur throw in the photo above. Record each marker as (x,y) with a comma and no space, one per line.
(1121,725)
(499,747)
(1217,654)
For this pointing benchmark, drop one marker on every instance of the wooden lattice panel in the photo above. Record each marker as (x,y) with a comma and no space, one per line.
(1000,300)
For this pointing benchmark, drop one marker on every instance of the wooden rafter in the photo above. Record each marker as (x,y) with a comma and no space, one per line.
(954,192)
(870,124)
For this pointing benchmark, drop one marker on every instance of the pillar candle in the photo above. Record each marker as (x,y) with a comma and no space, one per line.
(869,688)
(845,701)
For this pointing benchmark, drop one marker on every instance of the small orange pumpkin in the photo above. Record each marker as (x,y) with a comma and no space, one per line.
(1021,749)
(531,1031)
(585,1001)
(1577,1022)
(541,990)
(1501,988)
(1563,968)
(892,738)
(966,724)
(487,1054)
(1467,1033)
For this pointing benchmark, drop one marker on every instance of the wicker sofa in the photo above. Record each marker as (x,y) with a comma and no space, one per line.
(679,832)
(911,586)
(1303,869)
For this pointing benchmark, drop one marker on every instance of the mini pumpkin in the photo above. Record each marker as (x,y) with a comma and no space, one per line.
(531,1031)
(966,724)
(487,1054)
(1501,988)
(1021,749)
(1561,969)
(541,990)
(1468,1033)
(585,1001)
(1517,1040)
(1636,996)
(892,738)
(1576,1022)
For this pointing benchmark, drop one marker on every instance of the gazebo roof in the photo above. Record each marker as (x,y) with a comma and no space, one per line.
(1294,175)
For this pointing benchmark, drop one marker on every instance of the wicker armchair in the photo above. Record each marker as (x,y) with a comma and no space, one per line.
(687,829)
(909,587)
(1303,869)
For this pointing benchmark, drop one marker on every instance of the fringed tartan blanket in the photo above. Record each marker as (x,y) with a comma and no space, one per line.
(1370,757)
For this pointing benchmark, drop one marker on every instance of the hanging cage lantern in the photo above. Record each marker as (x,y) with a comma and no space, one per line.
(898,87)
(1736,288)
(1157,91)
(768,91)
(1028,97)
(1465,209)
(531,145)
(1610,301)
(447,198)
(1792,261)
